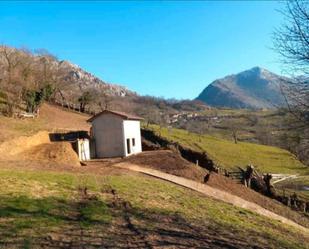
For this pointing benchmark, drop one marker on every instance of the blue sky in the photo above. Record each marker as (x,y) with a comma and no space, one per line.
(170,49)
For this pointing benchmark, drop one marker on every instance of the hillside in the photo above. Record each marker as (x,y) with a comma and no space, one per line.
(48,204)
(228,155)
(254,88)
(121,209)
(51,118)
(75,78)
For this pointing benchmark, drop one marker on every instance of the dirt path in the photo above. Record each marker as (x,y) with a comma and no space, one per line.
(283,177)
(212,192)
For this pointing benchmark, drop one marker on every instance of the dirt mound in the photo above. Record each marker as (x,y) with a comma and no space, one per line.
(38,148)
(18,145)
(168,162)
(58,152)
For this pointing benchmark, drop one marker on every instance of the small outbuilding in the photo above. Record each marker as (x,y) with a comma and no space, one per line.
(115,134)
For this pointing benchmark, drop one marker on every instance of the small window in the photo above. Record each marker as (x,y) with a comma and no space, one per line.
(133,141)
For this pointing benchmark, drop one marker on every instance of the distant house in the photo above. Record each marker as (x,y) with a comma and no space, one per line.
(116,134)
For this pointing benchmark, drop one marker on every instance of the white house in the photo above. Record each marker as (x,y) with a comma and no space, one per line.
(116,134)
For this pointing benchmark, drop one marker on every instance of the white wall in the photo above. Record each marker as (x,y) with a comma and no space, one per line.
(108,134)
(83,149)
(132,130)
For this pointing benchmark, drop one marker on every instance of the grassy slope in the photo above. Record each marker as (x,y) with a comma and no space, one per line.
(35,203)
(10,128)
(228,155)
(50,118)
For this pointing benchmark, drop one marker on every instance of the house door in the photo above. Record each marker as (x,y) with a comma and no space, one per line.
(128,146)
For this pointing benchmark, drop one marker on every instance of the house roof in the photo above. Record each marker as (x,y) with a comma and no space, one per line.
(120,114)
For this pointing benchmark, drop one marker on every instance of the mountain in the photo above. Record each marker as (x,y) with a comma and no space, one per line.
(86,81)
(254,88)
(28,68)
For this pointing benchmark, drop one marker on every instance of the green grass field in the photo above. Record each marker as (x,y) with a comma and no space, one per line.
(34,204)
(229,155)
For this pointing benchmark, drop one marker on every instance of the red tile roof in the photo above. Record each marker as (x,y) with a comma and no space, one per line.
(121,114)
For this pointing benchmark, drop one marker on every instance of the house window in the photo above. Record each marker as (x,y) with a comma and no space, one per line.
(133,141)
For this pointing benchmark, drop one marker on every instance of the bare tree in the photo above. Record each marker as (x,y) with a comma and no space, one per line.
(104,101)
(234,128)
(291,40)
(12,79)
(85,99)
